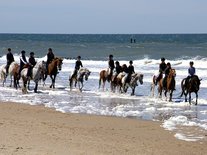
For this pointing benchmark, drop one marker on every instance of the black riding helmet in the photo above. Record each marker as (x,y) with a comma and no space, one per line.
(117,63)
(191,62)
(162,59)
(23,52)
(110,56)
(79,57)
(31,53)
(130,62)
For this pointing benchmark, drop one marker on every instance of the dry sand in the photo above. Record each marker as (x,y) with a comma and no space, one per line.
(36,130)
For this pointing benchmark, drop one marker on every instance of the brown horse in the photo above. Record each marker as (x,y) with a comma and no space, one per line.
(170,84)
(103,77)
(53,68)
(190,86)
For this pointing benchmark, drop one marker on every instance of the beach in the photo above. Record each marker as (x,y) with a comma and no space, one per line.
(37,130)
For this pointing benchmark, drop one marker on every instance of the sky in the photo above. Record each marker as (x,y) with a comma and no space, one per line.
(103,16)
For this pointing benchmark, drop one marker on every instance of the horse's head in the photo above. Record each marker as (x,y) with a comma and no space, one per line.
(136,77)
(59,63)
(172,73)
(195,83)
(84,72)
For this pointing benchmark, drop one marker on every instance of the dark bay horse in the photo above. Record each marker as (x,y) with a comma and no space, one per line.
(191,86)
(170,84)
(53,68)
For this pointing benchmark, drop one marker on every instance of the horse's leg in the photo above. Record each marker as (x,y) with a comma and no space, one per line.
(36,85)
(52,81)
(189,98)
(133,90)
(152,89)
(99,83)
(28,83)
(71,84)
(11,81)
(196,98)
(170,100)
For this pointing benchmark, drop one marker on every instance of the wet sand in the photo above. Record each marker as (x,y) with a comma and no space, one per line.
(36,130)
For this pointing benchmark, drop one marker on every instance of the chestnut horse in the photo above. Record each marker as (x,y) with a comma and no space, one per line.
(53,68)
(170,84)
(103,77)
(191,86)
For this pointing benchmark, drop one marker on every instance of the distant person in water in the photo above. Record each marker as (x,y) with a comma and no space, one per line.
(78,64)
(50,57)
(10,59)
(111,67)
(162,68)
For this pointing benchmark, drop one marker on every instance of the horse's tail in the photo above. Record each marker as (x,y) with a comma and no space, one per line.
(99,82)
(182,87)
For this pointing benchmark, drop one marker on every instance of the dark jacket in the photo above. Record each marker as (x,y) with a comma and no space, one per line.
(162,67)
(50,57)
(32,61)
(118,69)
(111,64)
(78,64)
(131,70)
(23,61)
(9,58)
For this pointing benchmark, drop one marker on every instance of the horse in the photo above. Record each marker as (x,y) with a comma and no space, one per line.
(123,85)
(37,74)
(53,68)
(170,83)
(13,72)
(153,84)
(103,77)
(192,85)
(79,78)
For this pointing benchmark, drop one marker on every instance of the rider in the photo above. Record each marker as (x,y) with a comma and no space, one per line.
(23,62)
(32,63)
(167,71)
(111,66)
(50,57)
(191,72)
(10,59)
(78,64)
(118,69)
(162,68)
(130,71)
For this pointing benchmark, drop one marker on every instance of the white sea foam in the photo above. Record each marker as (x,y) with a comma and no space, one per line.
(142,105)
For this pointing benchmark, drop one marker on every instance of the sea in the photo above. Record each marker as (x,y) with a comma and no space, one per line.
(188,122)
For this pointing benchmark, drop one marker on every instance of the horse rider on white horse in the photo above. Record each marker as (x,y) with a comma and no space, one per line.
(10,59)
(32,63)
(78,64)
(23,62)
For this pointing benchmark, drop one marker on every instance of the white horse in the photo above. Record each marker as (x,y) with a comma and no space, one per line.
(12,72)
(37,74)
(132,83)
(82,73)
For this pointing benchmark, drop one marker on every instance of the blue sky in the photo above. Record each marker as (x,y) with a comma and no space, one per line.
(103,16)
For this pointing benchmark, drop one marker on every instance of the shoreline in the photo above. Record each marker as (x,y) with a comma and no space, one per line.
(26,129)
